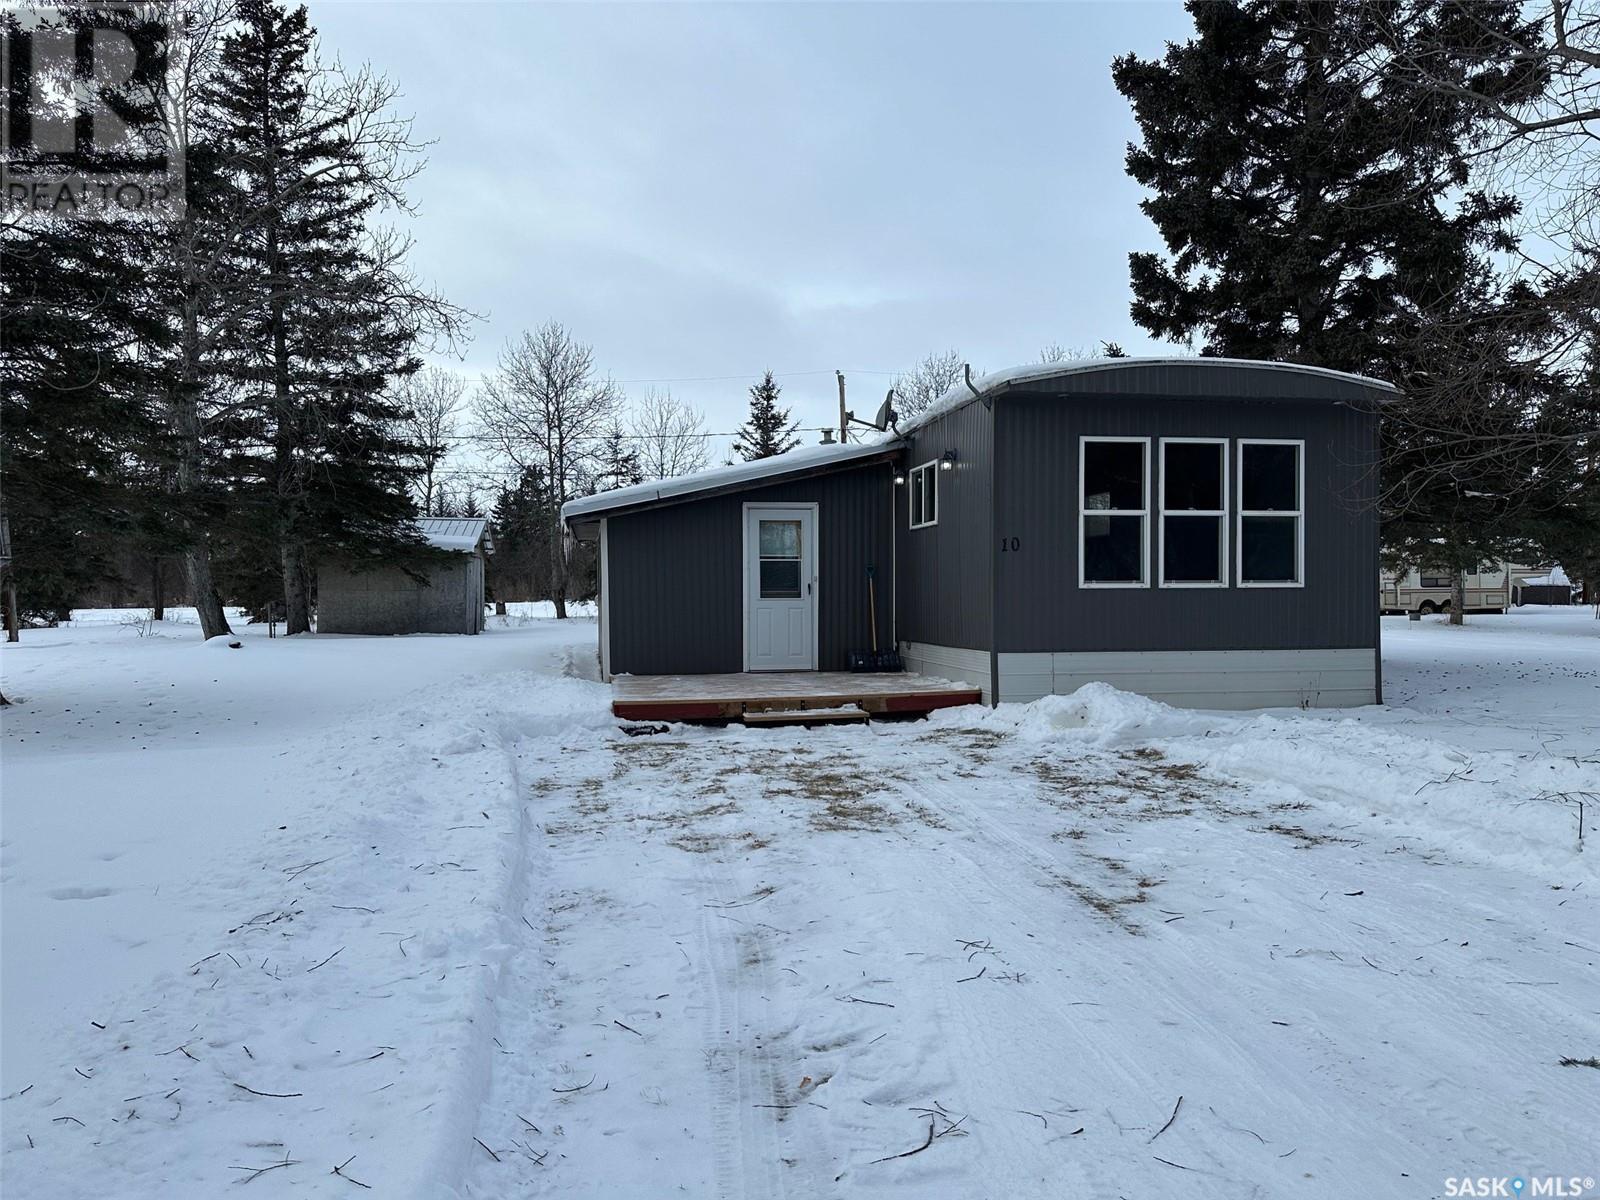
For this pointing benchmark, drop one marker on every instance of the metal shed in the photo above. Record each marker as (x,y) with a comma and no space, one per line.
(387,600)
(1199,530)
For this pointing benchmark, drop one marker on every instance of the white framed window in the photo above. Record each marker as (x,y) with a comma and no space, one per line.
(924,484)
(1270,534)
(1113,512)
(1192,491)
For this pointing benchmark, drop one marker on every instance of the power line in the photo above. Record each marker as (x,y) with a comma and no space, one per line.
(743,375)
(491,439)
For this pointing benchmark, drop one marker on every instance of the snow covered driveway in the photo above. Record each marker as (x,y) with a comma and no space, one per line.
(498,948)
(988,954)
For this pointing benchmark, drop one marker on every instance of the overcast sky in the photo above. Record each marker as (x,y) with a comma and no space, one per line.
(705,191)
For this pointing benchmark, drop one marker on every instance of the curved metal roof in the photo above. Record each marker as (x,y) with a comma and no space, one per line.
(960,395)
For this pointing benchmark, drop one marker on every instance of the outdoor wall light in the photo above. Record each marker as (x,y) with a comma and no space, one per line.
(899,478)
(948,462)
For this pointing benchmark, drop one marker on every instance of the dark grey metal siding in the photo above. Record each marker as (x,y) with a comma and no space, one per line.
(946,584)
(1039,604)
(676,574)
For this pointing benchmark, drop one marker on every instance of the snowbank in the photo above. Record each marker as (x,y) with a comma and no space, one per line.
(1097,714)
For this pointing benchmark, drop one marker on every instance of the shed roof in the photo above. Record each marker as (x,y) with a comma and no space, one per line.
(456,533)
(801,461)
(1034,373)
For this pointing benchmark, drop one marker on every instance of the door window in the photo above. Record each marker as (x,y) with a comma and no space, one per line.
(779,549)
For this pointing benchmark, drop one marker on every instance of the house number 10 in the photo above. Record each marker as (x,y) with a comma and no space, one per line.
(1010,543)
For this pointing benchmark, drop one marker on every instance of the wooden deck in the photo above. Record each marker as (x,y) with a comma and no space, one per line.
(725,697)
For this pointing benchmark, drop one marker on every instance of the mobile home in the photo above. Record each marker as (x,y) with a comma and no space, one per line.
(1199,530)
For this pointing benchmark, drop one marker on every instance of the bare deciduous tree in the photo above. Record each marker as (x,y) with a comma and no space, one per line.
(433,399)
(669,436)
(1544,147)
(1055,352)
(924,383)
(546,410)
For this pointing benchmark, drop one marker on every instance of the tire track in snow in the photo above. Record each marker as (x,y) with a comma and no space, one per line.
(737,972)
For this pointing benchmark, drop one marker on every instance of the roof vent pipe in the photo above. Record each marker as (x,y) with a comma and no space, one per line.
(966,374)
(827,437)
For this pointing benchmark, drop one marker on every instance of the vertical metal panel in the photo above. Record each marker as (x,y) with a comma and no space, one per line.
(946,589)
(676,574)
(386,600)
(1039,604)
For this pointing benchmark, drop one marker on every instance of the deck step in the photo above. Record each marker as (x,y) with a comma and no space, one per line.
(730,697)
(805,716)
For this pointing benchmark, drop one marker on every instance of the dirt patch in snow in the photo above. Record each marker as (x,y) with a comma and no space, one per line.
(1113,906)
(1305,839)
(850,814)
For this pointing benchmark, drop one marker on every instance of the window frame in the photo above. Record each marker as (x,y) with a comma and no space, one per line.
(798,558)
(1083,513)
(1162,512)
(931,467)
(1298,513)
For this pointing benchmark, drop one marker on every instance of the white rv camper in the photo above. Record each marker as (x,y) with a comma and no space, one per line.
(1492,588)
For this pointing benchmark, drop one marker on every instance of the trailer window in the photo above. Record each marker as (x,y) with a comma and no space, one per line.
(1271,532)
(1194,527)
(1113,511)
(1437,580)
(925,495)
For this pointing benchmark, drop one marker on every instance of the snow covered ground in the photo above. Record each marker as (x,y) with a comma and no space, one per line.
(415,909)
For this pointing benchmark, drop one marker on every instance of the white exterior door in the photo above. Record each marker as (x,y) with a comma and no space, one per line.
(780,588)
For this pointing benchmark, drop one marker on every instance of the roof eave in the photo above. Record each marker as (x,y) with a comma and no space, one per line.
(585,523)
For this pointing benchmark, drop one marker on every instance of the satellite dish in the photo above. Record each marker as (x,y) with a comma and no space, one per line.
(886,413)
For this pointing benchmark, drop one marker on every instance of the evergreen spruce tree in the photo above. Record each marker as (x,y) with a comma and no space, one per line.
(619,462)
(77,416)
(521,522)
(326,332)
(79,430)
(1307,200)
(768,431)
(1317,208)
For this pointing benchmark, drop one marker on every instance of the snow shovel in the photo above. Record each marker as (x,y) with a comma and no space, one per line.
(864,660)
(882,660)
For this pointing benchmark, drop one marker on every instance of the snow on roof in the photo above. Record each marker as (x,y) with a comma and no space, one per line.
(456,533)
(960,394)
(1554,577)
(804,458)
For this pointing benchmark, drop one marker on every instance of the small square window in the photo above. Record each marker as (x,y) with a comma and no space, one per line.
(1191,549)
(1267,550)
(1271,477)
